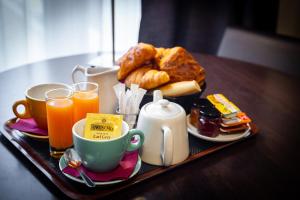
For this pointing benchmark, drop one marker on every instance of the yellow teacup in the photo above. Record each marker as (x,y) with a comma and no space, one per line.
(35,103)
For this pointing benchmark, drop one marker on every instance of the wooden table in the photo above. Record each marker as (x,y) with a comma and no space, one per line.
(265,166)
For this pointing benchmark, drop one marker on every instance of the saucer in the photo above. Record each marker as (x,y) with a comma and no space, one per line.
(62,165)
(28,134)
(34,136)
(221,137)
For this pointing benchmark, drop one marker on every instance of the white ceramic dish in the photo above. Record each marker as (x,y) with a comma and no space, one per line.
(62,165)
(220,138)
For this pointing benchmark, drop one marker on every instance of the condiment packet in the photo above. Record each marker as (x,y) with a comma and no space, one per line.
(226,107)
(103,126)
(129,100)
(240,118)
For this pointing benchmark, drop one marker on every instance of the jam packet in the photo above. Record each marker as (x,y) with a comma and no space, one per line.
(226,107)
(240,118)
(103,126)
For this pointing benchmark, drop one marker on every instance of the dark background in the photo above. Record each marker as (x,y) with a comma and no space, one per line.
(200,25)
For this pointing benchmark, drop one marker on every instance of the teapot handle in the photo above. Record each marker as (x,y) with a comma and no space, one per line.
(77,68)
(167,147)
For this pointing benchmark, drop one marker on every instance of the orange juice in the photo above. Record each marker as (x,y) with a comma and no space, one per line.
(85,102)
(60,122)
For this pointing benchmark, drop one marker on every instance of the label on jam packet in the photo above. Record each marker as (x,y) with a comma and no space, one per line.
(226,107)
(240,118)
(103,126)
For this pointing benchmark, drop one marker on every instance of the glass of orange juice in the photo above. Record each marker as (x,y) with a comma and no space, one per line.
(59,107)
(85,98)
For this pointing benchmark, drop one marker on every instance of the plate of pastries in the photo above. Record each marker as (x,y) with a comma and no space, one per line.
(174,71)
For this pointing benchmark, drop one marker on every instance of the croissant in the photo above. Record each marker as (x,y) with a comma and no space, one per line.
(134,58)
(147,78)
(180,65)
(154,78)
(136,76)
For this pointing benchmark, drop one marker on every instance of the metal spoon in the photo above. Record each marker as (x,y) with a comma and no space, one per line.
(73,160)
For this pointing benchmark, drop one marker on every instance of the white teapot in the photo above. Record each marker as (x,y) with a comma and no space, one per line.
(164,126)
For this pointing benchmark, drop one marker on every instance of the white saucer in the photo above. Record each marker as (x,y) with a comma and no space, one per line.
(220,138)
(62,165)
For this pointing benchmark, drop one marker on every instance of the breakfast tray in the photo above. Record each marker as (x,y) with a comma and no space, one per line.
(37,151)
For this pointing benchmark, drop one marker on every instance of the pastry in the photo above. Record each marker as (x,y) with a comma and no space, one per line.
(136,56)
(153,79)
(160,53)
(180,88)
(136,76)
(152,67)
(179,64)
(147,78)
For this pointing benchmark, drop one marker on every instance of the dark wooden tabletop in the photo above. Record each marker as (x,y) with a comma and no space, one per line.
(266,166)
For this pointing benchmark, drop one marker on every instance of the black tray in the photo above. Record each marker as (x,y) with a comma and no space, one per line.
(37,151)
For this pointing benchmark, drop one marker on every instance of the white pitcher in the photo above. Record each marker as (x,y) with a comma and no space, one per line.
(166,138)
(106,79)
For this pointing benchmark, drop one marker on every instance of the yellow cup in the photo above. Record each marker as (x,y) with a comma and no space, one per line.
(35,103)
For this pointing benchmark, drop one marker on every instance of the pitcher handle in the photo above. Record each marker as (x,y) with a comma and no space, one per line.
(77,68)
(167,146)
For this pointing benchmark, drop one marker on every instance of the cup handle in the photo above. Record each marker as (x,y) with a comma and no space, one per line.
(77,68)
(167,147)
(136,145)
(26,113)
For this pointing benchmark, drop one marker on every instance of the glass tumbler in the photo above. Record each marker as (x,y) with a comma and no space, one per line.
(129,118)
(59,108)
(86,99)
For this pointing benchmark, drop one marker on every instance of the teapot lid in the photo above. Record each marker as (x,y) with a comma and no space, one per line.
(163,109)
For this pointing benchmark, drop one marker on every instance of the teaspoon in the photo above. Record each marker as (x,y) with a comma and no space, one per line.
(73,160)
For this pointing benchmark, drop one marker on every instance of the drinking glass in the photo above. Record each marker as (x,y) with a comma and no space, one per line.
(130,118)
(85,98)
(59,108)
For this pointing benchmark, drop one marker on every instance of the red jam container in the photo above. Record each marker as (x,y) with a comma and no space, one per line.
(209,121)
(197,105)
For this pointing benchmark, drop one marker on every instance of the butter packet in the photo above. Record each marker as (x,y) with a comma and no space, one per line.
(226,107)
(103,126)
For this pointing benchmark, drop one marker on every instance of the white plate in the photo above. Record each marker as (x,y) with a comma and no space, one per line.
(62,165)
(220,138)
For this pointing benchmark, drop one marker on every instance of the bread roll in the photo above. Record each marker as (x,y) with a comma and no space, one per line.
(180,88)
